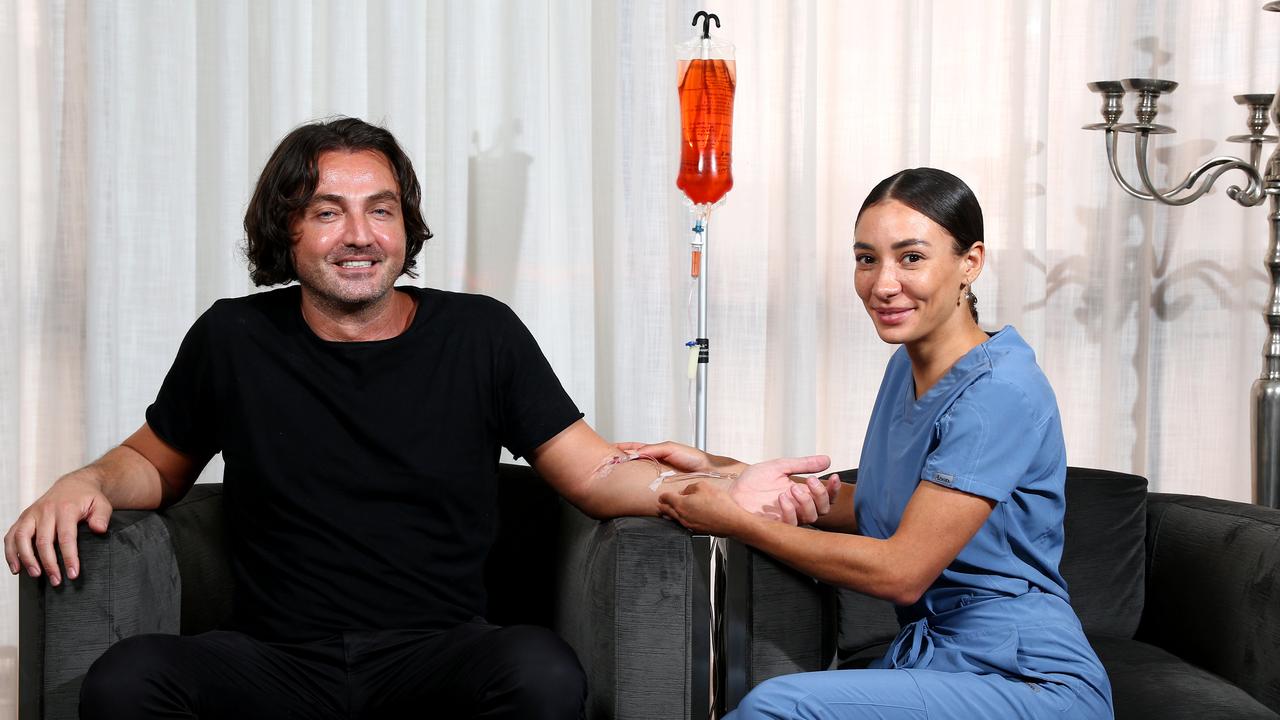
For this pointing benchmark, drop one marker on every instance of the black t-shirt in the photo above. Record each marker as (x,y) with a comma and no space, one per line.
(360,481)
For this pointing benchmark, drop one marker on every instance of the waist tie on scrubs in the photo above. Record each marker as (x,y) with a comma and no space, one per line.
(981,635)
(913,647)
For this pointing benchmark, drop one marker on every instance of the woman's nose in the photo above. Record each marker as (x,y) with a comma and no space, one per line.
(886,284)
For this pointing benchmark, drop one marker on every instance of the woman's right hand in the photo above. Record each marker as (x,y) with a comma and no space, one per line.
(683,457)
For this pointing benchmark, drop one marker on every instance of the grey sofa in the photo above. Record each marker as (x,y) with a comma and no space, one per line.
(1180,596)
(630,595)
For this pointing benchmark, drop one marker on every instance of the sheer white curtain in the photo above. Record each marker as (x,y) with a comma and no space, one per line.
(545,136)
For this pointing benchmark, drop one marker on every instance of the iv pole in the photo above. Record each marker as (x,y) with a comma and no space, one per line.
(701,234)
(711,550)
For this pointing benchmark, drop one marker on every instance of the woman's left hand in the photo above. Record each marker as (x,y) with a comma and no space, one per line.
(763,489)
(704,507)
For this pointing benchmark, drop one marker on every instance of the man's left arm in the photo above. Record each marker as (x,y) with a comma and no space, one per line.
(586,470)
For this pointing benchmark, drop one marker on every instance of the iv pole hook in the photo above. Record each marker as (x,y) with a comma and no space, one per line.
(706,22)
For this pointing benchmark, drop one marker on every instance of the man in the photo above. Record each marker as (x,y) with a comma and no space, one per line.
(360,424)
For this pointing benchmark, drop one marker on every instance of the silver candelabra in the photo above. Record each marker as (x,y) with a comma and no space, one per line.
(1261,184)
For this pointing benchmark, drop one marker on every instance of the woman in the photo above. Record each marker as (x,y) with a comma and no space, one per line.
(957,516)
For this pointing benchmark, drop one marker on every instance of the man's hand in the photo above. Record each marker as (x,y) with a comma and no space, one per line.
(53,518)
(140,474)
(767,489)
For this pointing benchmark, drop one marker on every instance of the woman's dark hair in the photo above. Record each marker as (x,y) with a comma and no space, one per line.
(941,197)
(289,180)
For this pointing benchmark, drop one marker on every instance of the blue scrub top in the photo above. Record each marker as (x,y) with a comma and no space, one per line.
(989,427)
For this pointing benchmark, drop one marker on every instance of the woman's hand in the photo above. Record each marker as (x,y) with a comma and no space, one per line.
(765,489)
(704,507)
(681,457)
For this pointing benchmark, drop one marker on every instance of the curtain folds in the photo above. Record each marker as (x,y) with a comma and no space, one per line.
(545,135)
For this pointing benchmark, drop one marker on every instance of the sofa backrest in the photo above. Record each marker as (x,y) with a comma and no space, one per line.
(198,534)
(1103,562)
(1213,576)
(1105,556)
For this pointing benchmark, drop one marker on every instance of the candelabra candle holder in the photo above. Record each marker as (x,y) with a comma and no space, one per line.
(1262,183)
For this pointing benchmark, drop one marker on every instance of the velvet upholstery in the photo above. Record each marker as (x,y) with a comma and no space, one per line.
(1151,682)
(130,585)
(1213,589)
(1104,557)
(628,613)
(782,638)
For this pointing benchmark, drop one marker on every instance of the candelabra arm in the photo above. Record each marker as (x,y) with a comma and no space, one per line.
(1210,171)
(1112,139)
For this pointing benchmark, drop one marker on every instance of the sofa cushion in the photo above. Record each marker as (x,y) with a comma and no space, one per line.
(1104,557)
(1147,682)
(859,659)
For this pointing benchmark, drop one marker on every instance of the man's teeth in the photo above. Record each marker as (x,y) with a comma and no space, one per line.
(356,263)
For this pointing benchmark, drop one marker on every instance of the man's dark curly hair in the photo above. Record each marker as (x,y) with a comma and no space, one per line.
(289,180)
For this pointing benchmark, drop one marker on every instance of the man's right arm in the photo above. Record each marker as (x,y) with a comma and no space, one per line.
(144,472)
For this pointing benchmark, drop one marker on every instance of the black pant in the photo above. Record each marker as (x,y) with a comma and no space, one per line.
(474,670)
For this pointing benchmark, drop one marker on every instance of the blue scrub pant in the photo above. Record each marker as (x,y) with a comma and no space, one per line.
(910,695)
(1022,657)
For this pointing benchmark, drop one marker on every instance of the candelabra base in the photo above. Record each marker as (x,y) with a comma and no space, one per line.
(1266,442)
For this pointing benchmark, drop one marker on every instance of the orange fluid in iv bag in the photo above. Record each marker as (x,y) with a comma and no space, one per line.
(706,125)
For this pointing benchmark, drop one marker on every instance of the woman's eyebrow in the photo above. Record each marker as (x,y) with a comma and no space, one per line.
(908,242)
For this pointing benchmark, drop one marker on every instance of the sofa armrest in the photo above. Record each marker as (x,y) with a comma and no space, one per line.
(1213,588)
(633,605)
(133,582)
(778,621)
(129,585)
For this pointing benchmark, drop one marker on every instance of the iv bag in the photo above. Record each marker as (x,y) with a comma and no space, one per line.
(708,76)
